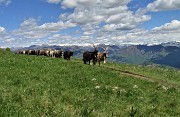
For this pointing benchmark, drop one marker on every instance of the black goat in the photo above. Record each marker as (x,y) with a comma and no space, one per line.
(88,56)
(68,54)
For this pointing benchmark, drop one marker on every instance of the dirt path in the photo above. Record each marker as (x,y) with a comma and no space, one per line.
(130,74)
(139,76)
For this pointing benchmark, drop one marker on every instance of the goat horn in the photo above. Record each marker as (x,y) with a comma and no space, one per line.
(106,48)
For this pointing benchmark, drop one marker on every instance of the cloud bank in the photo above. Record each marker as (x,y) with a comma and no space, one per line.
(95,21)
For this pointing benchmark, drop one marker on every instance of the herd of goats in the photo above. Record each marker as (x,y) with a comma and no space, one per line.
(95,55)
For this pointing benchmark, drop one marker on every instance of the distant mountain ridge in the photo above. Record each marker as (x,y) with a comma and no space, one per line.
(164,54)
(171,43)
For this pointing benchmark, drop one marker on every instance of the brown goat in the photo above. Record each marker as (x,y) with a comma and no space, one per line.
(102,56)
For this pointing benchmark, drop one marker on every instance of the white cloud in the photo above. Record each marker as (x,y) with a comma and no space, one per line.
(163,5)
(100,21)
(2,29)
(113,3)
(58,39)
(5,38)
(112,12)
(90,3)
(88,14)
(165,33)
(54,1)
(87,2)
(69,3)
(85,17)
(6,2)
(30,33)
(134,36)
(30,28)
(127,20)
(110,27)
(55,27)
(174,26)
(76,3)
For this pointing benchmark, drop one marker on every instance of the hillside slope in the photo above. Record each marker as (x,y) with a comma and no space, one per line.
(42,86)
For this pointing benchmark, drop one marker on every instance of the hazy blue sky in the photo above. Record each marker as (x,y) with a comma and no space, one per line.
(83,22)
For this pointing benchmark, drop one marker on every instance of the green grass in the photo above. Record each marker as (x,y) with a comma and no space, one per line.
(41,86)
(169,75)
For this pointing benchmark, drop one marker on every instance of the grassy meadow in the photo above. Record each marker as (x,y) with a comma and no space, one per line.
(33,86)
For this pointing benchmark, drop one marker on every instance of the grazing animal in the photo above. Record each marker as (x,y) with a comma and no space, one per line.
(41,52)
(27,52)
(47,52)
(32,52)
(22,52)
(36,52)
(51,53)
(102,56)
(88,56)
(58,53)
(68,54)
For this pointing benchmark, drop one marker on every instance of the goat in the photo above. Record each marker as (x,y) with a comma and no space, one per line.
(88,56)
(102,56)
(32,52)
(58,53)
(22,52)
(68,54)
